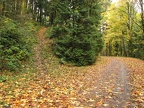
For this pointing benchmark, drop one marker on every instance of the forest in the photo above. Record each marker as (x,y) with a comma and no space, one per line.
(43,43)
(80,31)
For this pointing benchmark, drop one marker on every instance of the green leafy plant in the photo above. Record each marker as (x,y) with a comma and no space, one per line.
(15,44)
(3,78)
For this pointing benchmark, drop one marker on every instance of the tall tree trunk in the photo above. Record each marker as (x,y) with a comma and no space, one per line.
(40,15)
(3,9)
(23,7)
(124,47)
(142,15)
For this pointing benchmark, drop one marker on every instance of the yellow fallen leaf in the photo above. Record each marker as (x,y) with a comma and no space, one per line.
(100,102)
(138,92)
(69,106)
(109,90)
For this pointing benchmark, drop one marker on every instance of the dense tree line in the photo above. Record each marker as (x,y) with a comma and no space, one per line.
(43,11)
(124,29)
(76,26)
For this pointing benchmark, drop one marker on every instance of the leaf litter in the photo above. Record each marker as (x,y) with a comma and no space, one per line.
(57,85)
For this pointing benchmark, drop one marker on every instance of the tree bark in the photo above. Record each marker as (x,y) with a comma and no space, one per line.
(142,16)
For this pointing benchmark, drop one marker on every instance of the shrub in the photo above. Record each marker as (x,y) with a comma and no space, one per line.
(14,44)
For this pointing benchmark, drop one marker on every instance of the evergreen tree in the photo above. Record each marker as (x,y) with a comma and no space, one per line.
(77,38)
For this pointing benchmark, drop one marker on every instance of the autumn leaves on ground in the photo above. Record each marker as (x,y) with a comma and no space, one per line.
(112,82)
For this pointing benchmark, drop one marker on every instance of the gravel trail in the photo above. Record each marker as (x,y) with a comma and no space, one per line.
(112,90)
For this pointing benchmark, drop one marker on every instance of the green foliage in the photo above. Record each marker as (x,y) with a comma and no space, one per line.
(48,32)
(3,78)
(77,39)
(15,43)
(124,34)
(136,44)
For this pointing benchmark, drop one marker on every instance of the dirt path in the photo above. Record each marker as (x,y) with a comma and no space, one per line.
(39,62)
(112,90)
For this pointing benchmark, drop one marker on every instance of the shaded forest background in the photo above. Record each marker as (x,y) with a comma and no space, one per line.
(80,28)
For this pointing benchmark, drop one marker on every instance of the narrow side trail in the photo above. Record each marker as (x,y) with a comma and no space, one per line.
(39,62)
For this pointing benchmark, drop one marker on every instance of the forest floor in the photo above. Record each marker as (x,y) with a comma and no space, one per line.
(112,82)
